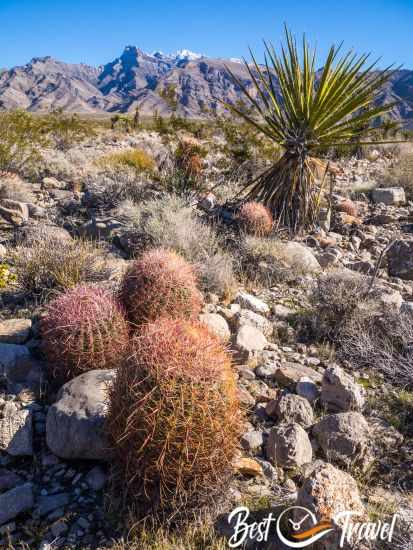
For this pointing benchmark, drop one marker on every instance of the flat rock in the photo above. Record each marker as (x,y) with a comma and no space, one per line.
(288,374)
(15,331)
(16,501)
(49,503)
(16,430)
(217,325)
(248,301)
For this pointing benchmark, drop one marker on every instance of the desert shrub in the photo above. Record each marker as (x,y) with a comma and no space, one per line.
(14,188)
(348,207)
(160,284)
(136,159)
(83,329)
(49,265)
(400,174)
(335,299)
(112,188)
(21,137)
(172,223)
(66,130)
(382,340)
(174,417)
(255,219)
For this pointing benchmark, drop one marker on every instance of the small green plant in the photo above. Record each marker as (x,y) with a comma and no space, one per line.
(6,276)
(135,159)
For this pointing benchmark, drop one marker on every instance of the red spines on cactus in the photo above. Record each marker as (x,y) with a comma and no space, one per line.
(174,415)
(255,218)
(160,284)
(348,207)
(83,329)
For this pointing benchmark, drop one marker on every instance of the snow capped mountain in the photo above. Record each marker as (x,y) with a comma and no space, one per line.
(180,55)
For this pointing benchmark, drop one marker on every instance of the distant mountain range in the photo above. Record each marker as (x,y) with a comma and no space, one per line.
(186,83)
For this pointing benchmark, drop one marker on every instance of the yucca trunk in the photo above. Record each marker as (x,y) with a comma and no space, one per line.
(290,189)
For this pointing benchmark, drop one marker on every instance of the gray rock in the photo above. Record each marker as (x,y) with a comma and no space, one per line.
(248,317)
(289,374)
(308,389)
(8,480)
(249,340)
(16,431)
(407,308)
(248,301)
(75,423)
(400,260)
(389,195)
(13,213)
(343,437)
(217,325)
(96,478)
(339,391)
(15,331)
(10,354)
(48,503)
(252,440)
(326,491)
(298,257)
(292,408)
(99,228)
(16,501)
(288,445)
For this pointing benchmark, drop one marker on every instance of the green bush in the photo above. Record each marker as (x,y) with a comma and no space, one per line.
(65,130)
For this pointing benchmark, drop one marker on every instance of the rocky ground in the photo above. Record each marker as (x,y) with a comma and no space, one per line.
(319,430)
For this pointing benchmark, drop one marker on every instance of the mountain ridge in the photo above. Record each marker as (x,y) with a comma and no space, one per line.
(185,83)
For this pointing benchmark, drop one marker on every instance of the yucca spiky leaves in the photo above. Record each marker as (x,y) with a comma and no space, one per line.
(307,112)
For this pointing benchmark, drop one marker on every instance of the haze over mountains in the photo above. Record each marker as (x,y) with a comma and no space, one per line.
(186,83)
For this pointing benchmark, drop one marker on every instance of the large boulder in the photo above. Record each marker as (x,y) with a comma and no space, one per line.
(389,195)
(289,446)
(340,392)
(326,492)
(400,260)
(344,437)
(75,423)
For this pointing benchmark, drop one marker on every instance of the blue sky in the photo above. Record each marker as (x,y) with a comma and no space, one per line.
(96,32)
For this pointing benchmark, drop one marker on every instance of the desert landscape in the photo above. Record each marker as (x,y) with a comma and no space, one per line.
(206,299)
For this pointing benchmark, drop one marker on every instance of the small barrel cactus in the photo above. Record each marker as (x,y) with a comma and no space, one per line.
(255,219)
(83,329)
(174,416)
(348,207)
(160,284)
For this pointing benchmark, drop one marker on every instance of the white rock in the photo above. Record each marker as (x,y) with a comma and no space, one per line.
(16,431)
(217,325)
(249,301)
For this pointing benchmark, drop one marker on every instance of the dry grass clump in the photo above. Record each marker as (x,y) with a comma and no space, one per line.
(160,284)
(335,299)
(49,265)
(171,222)
(255,219)
(174,418)
(400,174)
(381,340)
(110,189)
(83,329)
(135,159)
(14,188)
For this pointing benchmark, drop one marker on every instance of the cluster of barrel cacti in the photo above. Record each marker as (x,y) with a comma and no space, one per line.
(173,408)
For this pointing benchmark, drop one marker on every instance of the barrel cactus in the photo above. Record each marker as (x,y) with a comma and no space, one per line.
(255,219)
(174,416)
(160,284)
(83,329)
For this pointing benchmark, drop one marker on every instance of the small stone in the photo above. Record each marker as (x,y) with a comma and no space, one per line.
(217,325)
(249,340)
(16,431)
(96,478)
(247,317)
(252,440)
(59,528)
(248,301)
(248,467)
(290,373)
(339,392)
(47,504)
(292,408)
(308,389)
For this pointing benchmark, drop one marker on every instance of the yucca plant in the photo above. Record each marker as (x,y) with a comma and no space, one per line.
(306,112)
